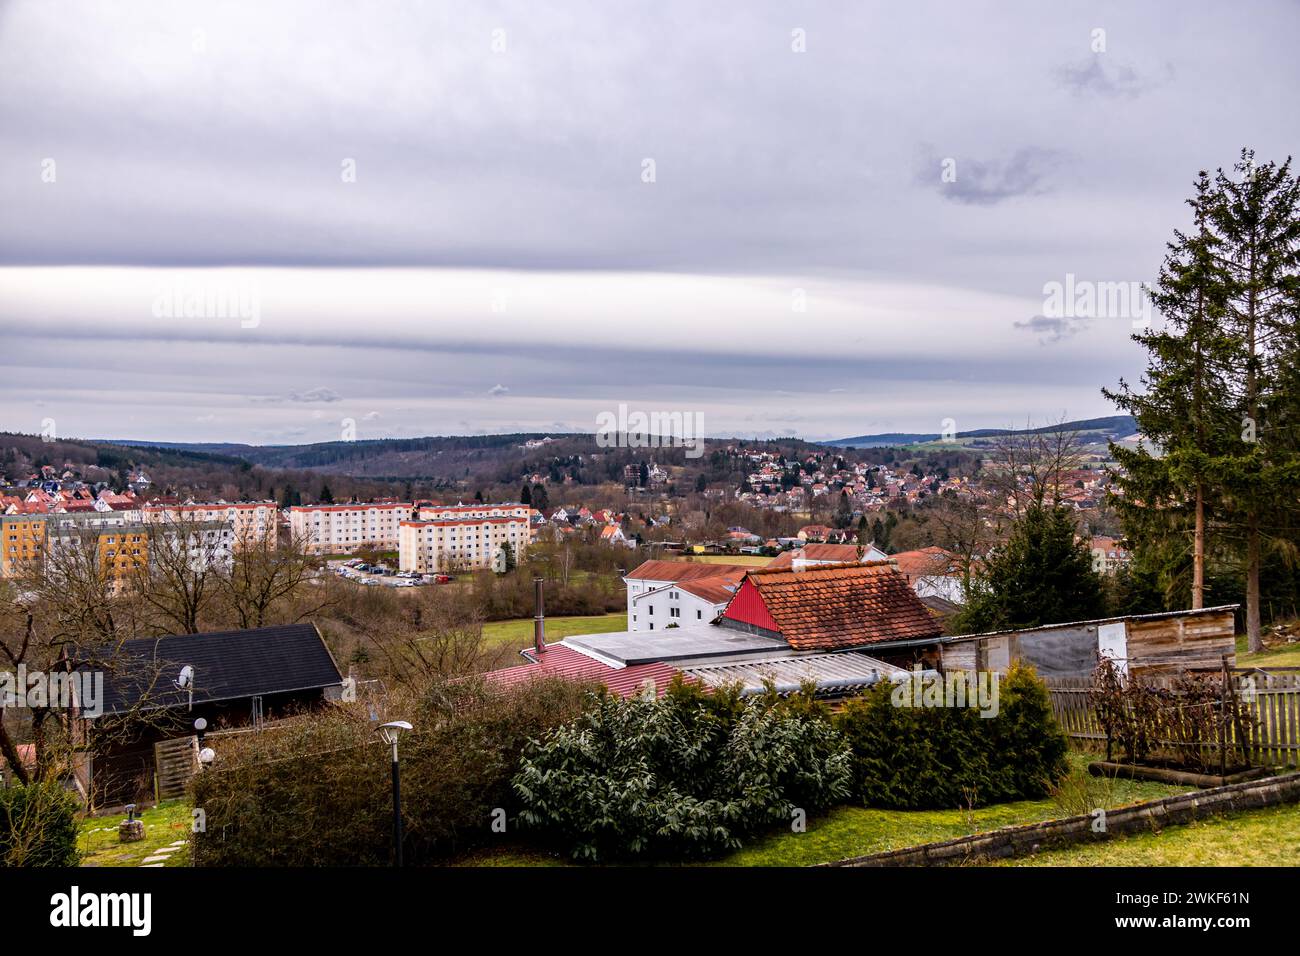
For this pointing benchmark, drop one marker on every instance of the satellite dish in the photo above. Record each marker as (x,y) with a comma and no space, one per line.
(187,677)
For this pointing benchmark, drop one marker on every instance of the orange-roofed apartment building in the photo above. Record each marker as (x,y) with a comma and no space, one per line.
(249,521)
(342,529)
(462,537)
(661,594)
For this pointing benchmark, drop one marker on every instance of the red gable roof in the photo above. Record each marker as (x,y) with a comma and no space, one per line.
(926,561)
(833,607)
(561,661)
(686,571)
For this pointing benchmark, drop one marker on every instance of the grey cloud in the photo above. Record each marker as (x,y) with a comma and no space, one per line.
(318,394)
(1103,75)
(1051,329)
(1026,172)
(498,390)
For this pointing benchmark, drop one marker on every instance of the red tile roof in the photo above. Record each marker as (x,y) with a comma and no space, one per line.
(834,607)
(561,661)
(925,561)
(687,571)
(839,553)
(714,590)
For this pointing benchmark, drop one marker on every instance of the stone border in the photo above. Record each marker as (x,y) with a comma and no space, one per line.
(1051,834)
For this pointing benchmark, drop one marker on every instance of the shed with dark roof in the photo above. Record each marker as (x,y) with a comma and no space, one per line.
(239,679)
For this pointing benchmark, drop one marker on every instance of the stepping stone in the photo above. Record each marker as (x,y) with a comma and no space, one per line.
(179,843)
(155,860)
(151,864)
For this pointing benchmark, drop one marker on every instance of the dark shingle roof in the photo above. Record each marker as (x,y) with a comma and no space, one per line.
(227,665)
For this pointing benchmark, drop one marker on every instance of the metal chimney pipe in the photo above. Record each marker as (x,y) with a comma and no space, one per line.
(539,622)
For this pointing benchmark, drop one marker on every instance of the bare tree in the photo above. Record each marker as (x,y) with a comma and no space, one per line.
(180,578)
(1032,467)
(264,576)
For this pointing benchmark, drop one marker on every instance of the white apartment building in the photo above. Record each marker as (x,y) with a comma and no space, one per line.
(248,520)
(342,529)
(429,547)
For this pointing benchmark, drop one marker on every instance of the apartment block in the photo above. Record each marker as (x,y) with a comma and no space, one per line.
(249,521)
(429,547)
(342,529)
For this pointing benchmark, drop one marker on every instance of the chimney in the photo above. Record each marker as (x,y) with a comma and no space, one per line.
(539,622)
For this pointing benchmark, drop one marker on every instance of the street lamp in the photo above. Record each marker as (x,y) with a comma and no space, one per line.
(390,732)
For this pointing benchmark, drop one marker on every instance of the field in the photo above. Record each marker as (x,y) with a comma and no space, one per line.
(520,630)
(749,560)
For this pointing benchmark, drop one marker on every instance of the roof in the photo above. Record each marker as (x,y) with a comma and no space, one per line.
(717,590)
(228,665)
(692,642)
(834,606)
(685,571)
(1097,621)
(838,553)
(836,675)
(926,561)
(566,663)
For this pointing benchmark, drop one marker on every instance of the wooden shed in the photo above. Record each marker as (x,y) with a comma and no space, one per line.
(1144,644)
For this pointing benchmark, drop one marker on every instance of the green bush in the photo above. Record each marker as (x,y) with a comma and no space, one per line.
(688,774)
(316,791)
(916,758)
(38,826)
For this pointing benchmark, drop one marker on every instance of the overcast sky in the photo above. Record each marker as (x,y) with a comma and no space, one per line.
(819,219)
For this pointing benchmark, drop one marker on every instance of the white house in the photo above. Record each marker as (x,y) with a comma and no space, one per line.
(661,594)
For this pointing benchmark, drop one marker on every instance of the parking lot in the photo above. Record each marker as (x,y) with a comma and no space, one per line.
(383,575)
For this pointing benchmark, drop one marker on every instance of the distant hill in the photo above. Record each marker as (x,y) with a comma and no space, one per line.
(1090,429)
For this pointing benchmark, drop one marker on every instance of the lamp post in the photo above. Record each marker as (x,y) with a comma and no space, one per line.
(390,732)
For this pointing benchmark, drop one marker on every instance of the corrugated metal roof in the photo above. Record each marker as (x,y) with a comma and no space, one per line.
(835,674)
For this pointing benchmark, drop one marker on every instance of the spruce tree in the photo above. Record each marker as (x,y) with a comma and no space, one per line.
(1258,221)
(1166,490)
(1042,575)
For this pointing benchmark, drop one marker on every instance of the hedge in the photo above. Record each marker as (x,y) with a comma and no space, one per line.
(38,826)
(316,791)
(911,758)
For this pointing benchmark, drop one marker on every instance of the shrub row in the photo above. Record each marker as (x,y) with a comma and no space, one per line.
(316,790)
(38,826)
(689,774)
(911,758)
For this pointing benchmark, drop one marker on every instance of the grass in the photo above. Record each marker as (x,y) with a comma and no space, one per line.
(856,831)
(520,630)
(850,831)
(751,560)
(163,825)
(1288,655)
(1268,837)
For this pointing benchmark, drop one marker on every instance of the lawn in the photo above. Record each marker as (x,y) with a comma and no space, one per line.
(163,825)
(1268,837)
(520,630)
(1288,655)
(856,831)
(850,831)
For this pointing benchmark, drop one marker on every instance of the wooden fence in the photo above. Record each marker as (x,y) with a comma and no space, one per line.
(1271,696)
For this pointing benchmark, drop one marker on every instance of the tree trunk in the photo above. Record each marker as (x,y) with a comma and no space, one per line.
(1198,551)
(1254,642)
